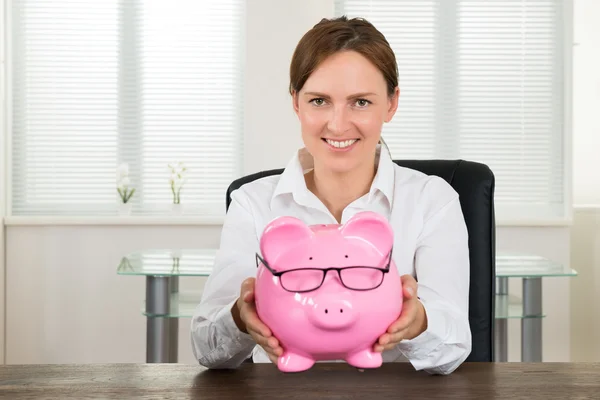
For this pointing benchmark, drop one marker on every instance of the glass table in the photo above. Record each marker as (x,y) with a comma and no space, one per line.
(531,269)
(165,303)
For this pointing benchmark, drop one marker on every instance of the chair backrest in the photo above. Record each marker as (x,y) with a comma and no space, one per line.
(474,183)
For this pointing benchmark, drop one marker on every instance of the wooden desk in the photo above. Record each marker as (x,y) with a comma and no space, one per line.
(324,381)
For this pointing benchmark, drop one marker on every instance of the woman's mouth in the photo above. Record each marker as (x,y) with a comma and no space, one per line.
(340,145)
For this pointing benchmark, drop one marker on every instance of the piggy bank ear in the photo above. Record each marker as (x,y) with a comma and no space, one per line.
(371,227)
(281,234)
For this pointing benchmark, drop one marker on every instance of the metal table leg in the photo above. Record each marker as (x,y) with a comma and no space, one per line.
(157,328)
(501,330)
(531,325)
(173,325)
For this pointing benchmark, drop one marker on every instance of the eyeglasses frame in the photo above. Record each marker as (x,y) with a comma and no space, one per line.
(278,274)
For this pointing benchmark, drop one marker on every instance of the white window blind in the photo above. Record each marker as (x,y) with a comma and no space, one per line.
(483,81)
(97,83)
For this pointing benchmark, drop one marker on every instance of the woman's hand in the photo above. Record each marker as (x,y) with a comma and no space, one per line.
(247,321)
(412,321)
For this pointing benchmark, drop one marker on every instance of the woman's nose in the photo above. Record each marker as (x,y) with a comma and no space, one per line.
(339,121)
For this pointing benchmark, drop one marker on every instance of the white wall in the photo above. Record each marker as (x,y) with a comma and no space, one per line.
(65,303)
(586,102)
(3,136)
(585,290)
(585,239)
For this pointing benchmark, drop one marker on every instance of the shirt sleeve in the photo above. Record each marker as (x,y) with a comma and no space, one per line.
(216,340)
(442,272)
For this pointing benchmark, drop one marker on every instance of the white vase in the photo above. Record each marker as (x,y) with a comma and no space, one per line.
(124,209)
(176,209)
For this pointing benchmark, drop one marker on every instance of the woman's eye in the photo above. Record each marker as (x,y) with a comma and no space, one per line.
(362,102)
(318,102)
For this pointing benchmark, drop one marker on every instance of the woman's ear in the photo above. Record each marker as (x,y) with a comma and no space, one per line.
(295,102)
(392,104)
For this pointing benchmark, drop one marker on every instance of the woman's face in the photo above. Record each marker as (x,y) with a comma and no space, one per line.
(342,108)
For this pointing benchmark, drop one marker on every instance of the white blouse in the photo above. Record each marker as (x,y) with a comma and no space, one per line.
(430,243)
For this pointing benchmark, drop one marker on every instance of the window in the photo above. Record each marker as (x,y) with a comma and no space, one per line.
(483,81)
(97,83)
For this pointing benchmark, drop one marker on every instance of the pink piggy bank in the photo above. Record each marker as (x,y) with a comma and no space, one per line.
(328,292)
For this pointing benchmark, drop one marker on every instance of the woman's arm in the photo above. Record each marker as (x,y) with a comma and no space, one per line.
(217,342)
(442,272)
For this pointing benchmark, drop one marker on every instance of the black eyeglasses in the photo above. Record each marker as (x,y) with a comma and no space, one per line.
(302,280)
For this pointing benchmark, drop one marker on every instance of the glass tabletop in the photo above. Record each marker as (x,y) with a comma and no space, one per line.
(199,262)
(514,265)
(188,262)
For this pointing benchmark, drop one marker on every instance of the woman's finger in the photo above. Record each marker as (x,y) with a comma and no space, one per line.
(384,339)
(274,359)
(258,337)
(253,323)
(270,345)
(407,317)
(397,337)
(262,342)
(248,297)
(409,286)
(273,342)
(274,352)
(247,290)
(250,318)
(389,341)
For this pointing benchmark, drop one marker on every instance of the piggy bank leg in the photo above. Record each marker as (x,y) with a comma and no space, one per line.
(292,362)
(365,359)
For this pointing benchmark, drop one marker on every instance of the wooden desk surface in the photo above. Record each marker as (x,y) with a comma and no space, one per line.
(324,381)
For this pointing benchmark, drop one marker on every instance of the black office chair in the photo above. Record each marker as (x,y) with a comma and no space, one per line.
(474,183)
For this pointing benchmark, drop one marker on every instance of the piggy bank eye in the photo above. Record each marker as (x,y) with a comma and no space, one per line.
(346,256)
(310,258)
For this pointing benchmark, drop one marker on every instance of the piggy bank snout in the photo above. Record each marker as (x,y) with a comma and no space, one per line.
(331,313)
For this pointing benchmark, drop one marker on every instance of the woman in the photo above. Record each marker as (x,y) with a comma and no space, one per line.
(344,86)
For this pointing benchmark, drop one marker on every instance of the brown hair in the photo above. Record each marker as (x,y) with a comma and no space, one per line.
(330,36)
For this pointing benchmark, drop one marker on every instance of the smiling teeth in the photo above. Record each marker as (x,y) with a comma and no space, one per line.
(341,145)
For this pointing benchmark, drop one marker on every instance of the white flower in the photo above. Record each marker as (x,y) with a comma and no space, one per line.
(177,178)
(122,171)
(177,167)
(123,183)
